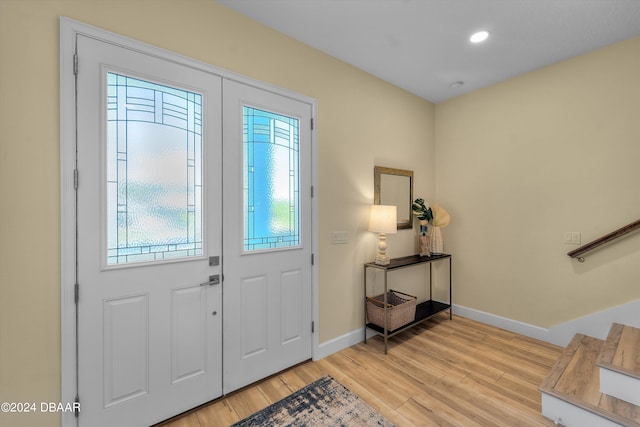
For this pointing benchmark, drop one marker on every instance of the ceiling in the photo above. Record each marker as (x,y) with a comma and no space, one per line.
(423,46)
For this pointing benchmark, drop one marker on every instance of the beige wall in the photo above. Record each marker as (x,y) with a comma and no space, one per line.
(519,163)
(522,162)
(362,121)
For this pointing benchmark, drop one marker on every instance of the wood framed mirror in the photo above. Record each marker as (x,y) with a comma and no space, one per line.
(394,187)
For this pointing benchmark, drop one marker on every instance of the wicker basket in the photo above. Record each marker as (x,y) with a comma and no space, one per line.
(401,309)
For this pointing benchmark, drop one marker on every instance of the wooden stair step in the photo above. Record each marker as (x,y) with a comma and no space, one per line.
(621,351)
(619,363)
(575,379)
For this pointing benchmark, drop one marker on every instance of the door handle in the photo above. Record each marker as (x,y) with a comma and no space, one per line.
(213,280)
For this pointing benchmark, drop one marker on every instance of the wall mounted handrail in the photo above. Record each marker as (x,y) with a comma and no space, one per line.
(577,253)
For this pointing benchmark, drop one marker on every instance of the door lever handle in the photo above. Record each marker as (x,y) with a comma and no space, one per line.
(213,280)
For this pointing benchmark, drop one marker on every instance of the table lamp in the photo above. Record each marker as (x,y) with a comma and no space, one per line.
(383,220)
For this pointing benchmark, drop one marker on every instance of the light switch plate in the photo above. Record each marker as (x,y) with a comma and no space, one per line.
(572,237)
(340,237)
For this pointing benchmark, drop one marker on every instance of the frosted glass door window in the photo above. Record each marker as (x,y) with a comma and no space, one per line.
(271,180)
(154,171)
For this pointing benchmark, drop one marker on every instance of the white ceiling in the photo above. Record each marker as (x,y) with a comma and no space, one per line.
(423,45)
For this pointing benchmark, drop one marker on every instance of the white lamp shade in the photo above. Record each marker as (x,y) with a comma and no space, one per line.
(383,219)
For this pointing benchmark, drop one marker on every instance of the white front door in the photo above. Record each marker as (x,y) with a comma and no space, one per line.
(148,221)
(267,238)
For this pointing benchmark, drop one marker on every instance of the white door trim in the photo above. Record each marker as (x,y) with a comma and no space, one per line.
(69,29)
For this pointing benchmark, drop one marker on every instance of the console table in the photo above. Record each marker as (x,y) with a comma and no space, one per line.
(424,310)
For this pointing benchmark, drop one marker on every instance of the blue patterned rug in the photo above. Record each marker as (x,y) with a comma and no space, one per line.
(324,402)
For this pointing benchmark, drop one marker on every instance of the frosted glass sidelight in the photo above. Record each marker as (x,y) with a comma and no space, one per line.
(154,171)
(271,180)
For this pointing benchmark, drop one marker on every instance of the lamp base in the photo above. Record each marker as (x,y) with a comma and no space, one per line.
(381,257)
(382,260)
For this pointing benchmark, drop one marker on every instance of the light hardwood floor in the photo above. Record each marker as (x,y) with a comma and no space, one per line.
(439,373)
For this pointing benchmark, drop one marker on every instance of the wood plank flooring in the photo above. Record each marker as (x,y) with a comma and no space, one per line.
(439,373)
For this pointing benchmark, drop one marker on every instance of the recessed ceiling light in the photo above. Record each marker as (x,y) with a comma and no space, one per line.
(456,85)
(479,37)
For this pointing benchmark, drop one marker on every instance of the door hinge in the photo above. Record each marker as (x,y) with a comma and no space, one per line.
(75,64)
(312,259)
(313,327)
(312,123)
(76,406)
(312,191)
(75,179)
(76,293)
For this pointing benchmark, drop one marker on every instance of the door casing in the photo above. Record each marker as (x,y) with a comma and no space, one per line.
(68,30)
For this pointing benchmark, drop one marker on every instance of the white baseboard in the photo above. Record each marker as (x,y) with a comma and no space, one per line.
(340,343)
(501,322)
(596,325)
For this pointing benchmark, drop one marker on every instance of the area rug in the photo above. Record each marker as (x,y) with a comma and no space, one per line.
(324,402)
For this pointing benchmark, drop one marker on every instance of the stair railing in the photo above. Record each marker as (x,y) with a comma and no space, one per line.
(630,228)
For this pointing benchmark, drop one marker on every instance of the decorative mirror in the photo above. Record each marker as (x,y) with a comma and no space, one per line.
(394,187)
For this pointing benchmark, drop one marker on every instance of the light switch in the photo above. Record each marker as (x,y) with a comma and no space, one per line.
(340,237)
(572,237)
(575,238)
